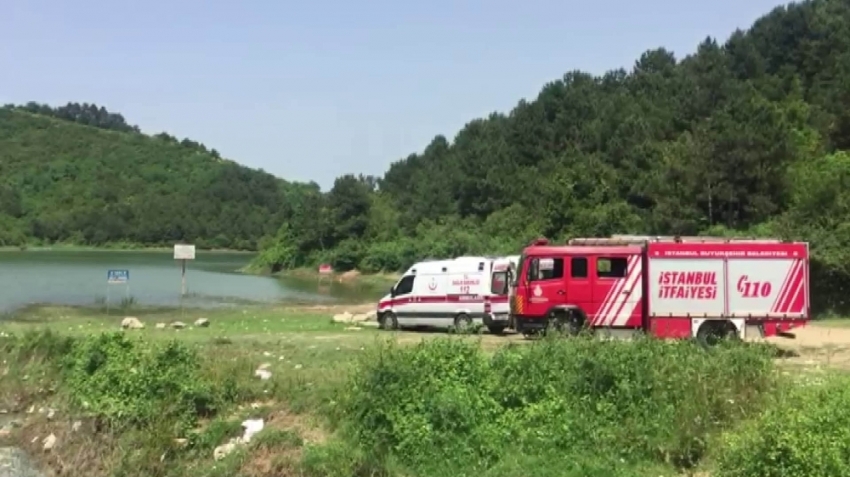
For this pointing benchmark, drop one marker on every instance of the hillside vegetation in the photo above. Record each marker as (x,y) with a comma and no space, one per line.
(745,137)
(79,174)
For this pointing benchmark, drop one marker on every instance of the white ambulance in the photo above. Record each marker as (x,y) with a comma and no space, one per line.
(450,293)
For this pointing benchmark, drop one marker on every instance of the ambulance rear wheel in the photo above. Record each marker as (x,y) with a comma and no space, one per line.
(463,323)
(388,321)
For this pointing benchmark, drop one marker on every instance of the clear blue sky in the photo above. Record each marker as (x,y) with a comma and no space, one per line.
(312,90)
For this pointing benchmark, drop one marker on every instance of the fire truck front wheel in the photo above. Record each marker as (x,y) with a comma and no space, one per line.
(568,321)
(388,321)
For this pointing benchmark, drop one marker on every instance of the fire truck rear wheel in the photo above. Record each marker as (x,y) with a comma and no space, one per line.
(388,321)
(463,323)
(712,332)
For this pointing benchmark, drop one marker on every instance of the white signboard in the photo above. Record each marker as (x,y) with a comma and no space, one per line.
(184,252)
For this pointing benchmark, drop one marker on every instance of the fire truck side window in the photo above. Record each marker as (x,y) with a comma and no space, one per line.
(611,267)
(578,267)
(405,285)
(545,269)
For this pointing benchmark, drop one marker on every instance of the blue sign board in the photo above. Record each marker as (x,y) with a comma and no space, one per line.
(117,276)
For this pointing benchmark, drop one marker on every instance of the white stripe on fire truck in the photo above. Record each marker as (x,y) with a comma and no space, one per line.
(634,296)
(602,307)
(606,305)
(789,307)
(785,284)
(620,299)
(786,287)
(608,309)
(793,290)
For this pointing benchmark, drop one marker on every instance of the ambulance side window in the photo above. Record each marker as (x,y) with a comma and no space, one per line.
(578,267)
(545,269)
(405,285)
(611,267)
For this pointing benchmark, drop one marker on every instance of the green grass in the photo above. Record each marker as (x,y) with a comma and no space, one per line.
(364,402)
(832,323)
(243,324)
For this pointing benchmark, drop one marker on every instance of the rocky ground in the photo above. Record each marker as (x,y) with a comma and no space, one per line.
(13,461)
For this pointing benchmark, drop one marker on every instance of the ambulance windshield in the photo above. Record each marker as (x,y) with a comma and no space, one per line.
(499,284)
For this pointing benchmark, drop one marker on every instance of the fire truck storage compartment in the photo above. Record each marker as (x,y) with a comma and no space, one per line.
(738,281)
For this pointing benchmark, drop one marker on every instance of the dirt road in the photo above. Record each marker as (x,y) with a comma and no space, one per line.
(817,346)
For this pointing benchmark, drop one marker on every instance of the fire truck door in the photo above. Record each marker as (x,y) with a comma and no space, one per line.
(546,286)
(617,289)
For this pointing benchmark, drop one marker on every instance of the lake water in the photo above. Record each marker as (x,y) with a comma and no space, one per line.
(79,278)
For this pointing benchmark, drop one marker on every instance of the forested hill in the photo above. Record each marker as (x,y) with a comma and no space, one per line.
(79,174)
(744,136)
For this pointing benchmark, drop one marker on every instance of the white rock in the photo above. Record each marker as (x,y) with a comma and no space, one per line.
(160,326)
(179,325)
(221,451)
(49,442)
(51,413)
(76,426)
(252,426)
(264,374)
(343,318)
(132,323)
(353,328)
(202,323)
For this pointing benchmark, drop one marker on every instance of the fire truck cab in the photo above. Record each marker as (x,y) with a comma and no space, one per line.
(671,287)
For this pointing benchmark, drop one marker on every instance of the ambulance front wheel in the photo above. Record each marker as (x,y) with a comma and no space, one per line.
(463,323)
(388,321)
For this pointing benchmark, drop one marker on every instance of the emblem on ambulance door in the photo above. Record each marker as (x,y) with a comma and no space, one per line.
(538,291)
(433,285)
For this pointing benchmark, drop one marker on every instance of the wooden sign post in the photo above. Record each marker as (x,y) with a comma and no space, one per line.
(183,252)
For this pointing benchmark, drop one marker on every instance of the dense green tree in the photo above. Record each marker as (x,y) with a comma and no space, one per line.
(742,137)
(80,174)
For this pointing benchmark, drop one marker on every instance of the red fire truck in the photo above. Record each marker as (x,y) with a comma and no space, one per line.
(672,287)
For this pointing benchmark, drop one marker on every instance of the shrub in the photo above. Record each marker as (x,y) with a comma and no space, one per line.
(130,382)
(582,406)
(805,431)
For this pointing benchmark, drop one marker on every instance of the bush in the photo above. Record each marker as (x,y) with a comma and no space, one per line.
(806,431)
(580,406)
(130,382)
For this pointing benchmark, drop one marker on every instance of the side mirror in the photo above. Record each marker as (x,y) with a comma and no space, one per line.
(392,290)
